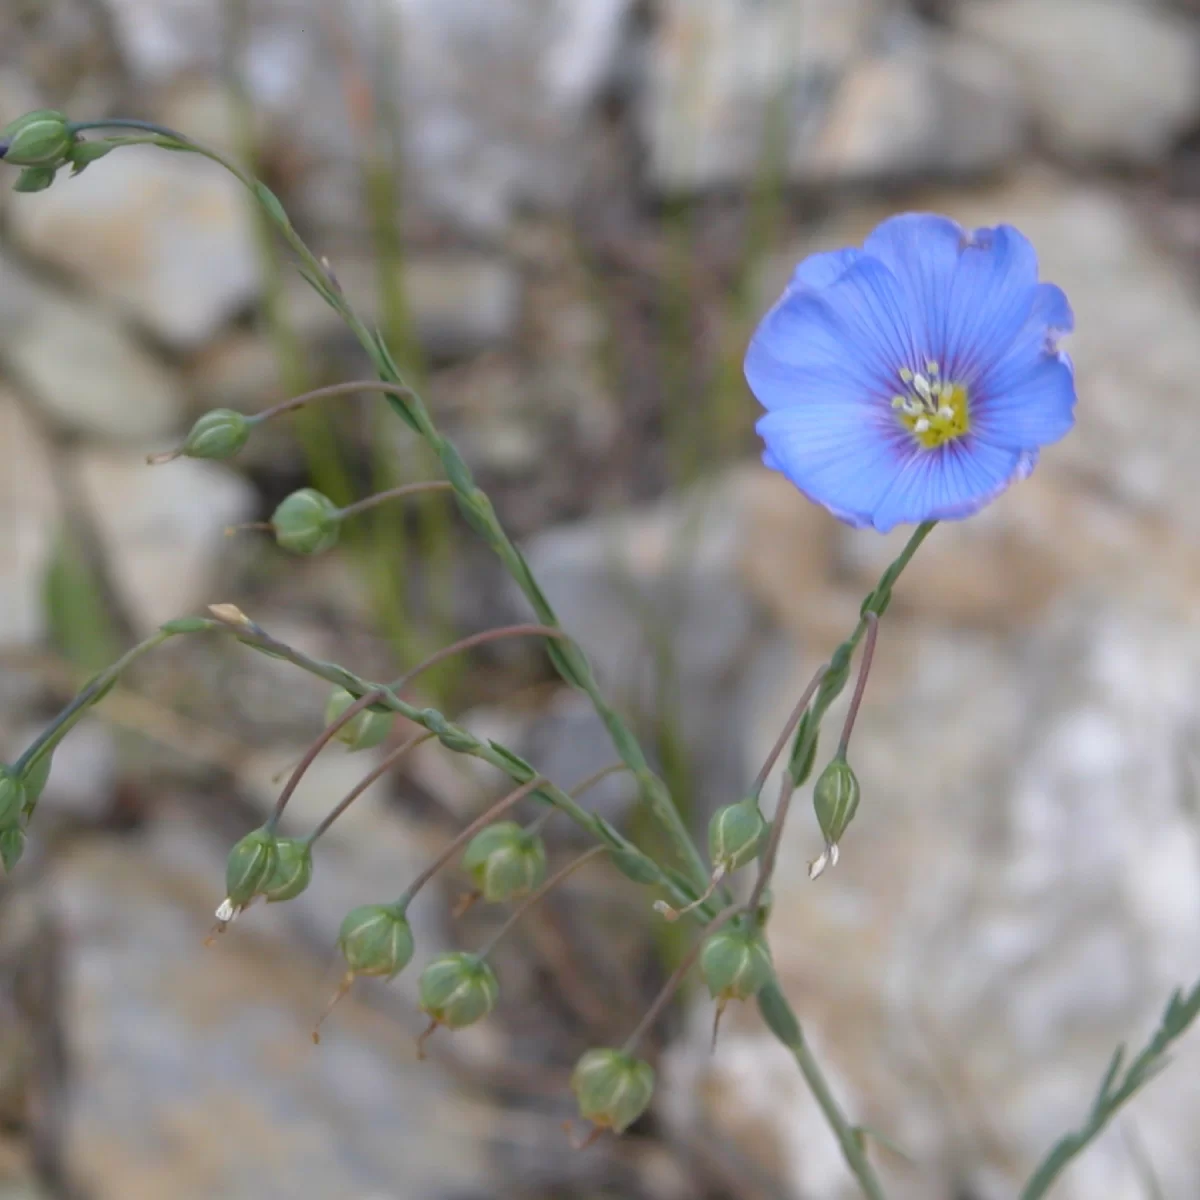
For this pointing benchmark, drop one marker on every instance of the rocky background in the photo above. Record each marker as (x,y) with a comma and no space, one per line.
(567,215)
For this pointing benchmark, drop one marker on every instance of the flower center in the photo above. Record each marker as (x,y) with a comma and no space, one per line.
(933,410)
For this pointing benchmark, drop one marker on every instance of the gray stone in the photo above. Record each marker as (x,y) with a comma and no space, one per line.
(162,529)
(1113,80)
(194,1067)
(29,503)
(863,97)
(491,101)
(169,238)
(81,366)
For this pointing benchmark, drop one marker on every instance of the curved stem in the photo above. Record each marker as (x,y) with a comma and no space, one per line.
(530,900)
(326,736)
(406,489)
(334,389)
(677,976)
(361,786)
(864,669)
(586,785)
(780,742)
(484,819)
(469,643)
(770,852)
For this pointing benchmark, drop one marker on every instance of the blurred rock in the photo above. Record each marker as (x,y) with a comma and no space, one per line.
(492,101)
(259,1111)
(167,237)
(81,366)
(30,506)
(83,775)
(1114,80)
(864,96)
(459,303)
(162,529)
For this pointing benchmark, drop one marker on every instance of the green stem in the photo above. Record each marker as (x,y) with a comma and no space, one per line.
(460,740)
(848,1137)
(405,489)
(569,660)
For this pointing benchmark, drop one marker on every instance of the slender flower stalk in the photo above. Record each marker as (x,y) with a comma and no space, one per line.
(534,897)
(365,782)
(474,640)
(864,669)
(404,489)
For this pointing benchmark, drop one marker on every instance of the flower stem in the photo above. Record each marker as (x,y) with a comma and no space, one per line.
(406,489)
(334,389)
(668,989)
(469,643)
(460,839)
(532,899)
(864,669)
(797,713)
(361,786)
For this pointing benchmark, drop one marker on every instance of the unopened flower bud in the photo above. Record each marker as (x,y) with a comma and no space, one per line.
(306,522)
(220,433)
(38,139)
(613,1088)
(250,865)
(735,963)
(293,870)
(835,801)
(375,939)
(12,797)
(505,862)
(12,846)
(365,730)
(735,834)
(458,989)
(34,179)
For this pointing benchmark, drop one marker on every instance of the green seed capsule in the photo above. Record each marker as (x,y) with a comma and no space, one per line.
(293,870)
(505,862)
(612,1088)
(365,729)
(217,434)
(735,964)
(735,835)
(250,865)
(38,139)
(306,522)
(375,939)
(835,800)
(458,989)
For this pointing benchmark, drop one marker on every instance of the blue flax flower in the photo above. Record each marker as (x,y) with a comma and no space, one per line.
(916,378)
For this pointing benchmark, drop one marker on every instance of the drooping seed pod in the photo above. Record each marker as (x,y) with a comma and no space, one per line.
(735,835)
(218,434)
(735,963)
(835,801)
(306,522)
(249,867)
(458,989)
(505,862)
(293,870)
(42,138)
(376,939)
(612,1088)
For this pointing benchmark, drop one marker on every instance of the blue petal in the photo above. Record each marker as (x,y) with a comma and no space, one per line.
(850,338)
(837,454)
(1028,397)
(818,271)
(971,291)
(953,481)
